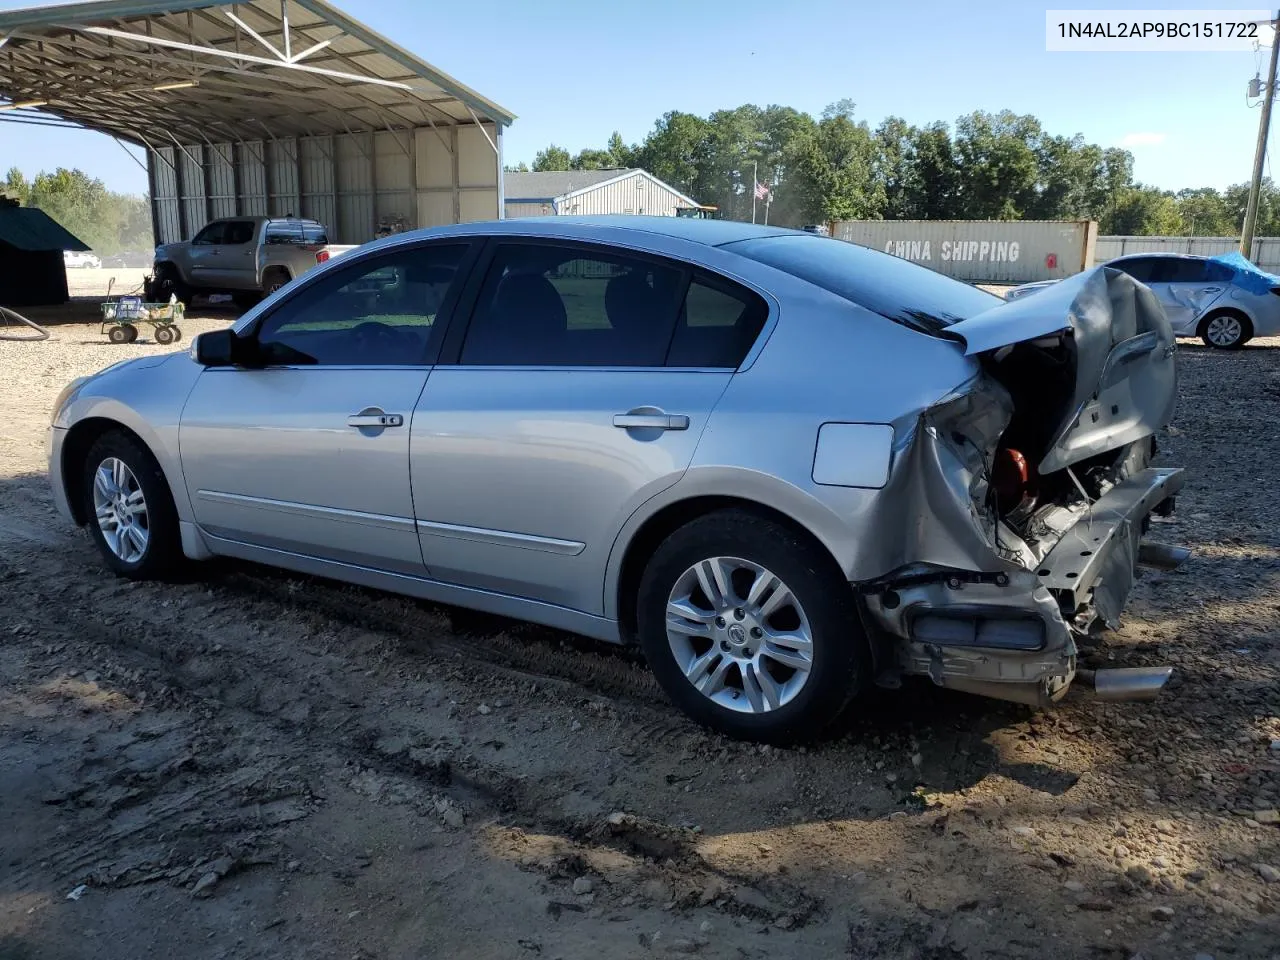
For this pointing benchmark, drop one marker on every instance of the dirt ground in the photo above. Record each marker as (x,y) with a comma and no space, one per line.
(255,765)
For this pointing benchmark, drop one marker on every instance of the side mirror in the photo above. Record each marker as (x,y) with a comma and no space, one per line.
(214,348)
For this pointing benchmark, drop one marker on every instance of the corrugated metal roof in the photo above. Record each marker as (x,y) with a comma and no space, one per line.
(30,229)
(553,184)
(155,71)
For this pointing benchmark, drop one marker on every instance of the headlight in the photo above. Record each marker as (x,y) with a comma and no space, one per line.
(64,399)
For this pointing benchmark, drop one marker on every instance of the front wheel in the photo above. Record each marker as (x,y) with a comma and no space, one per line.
(1226,330)
(751,629)
(130,509)
(164,335)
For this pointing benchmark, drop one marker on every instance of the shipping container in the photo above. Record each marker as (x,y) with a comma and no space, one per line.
(981,251)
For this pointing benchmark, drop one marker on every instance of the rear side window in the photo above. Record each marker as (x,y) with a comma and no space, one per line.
(238,232)
(905,292)
(553,305)
(717,326)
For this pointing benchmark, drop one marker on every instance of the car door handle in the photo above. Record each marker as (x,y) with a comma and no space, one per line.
(651,421)
(1212,290)
(379,419)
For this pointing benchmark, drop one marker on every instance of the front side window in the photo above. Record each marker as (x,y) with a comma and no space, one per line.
(211,234)
(560,305)
(380,311)
(1184,270)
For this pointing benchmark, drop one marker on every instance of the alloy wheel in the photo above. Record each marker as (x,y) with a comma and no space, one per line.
(739,635)
(120,510)
(1224,331)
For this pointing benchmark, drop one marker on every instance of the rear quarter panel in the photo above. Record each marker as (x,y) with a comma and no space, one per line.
(826,360)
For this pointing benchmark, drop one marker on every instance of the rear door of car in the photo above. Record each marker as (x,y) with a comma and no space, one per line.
(310,452)
(578,390)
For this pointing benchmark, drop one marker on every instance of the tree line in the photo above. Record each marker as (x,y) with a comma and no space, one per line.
(987,166)
(108,222)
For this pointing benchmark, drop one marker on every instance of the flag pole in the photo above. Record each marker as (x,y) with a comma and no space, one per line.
(754,183)
(768,199)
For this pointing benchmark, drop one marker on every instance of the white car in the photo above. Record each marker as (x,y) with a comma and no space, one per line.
(1226,300)
(77,258)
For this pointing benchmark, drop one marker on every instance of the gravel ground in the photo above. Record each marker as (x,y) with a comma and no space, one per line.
(253,764)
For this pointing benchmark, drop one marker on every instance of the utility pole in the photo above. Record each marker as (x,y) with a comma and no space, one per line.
(1260,154)
(755,182)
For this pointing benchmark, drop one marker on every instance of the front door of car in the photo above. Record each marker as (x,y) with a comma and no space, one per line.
(204,251)
(233,264)
(1188,287)
(308,452)
(579,390)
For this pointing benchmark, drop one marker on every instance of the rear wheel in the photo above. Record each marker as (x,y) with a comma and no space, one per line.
(750,628)
(273,280)
(1226,330)
(130,509)
(165,334)
(118,334)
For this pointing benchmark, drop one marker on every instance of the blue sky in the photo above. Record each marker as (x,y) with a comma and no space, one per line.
(575,70)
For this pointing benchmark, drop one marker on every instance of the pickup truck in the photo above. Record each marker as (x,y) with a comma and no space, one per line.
(246,257)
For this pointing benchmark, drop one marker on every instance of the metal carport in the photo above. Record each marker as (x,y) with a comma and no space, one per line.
(273,107)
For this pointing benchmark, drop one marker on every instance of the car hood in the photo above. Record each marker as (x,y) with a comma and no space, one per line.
(1121,348)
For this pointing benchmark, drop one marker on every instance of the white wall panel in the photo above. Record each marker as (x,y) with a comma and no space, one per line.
(252,169)
(356,184)
(220,160)
(282,178)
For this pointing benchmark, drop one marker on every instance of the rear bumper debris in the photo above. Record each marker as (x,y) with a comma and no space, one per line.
(1011,635)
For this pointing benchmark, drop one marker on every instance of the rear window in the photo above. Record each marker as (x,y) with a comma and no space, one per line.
(296,232)
(904,292)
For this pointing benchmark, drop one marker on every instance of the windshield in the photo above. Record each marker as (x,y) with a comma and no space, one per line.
(890,286)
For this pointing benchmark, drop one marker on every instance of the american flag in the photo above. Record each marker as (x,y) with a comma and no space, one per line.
(762,191)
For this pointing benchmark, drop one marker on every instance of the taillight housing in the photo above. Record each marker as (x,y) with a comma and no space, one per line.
(322,256)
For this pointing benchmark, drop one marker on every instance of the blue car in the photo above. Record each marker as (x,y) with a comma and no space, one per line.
(1226,300)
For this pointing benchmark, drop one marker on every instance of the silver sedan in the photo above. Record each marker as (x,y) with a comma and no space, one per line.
(787,466)
(1226,301)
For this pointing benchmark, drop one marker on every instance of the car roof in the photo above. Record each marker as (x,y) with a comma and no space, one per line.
(710,232)
(1149,254)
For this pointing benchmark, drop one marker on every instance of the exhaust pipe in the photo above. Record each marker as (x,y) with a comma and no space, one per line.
(1126,683)
(1162,556)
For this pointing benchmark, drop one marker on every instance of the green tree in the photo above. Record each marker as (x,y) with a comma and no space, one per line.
(552,158)
(1143,211)
(677,151)
(591,159)
(1205,213)
(999,168)
(520,167)
(16,186)
(835,169)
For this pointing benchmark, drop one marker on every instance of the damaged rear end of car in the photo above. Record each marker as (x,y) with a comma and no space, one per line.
(1026,495)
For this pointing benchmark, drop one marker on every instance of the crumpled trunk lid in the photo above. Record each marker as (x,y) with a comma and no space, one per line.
(1118,344)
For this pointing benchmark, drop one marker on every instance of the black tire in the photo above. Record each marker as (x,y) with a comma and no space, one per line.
(169,283)
(164,335)
(118,334)
(840,659)
(132,332)
(273,280)
(177,334)
(162,558)
(1244,329)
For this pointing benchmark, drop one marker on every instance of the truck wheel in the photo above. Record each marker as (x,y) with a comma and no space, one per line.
(170,284)
(273,280)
